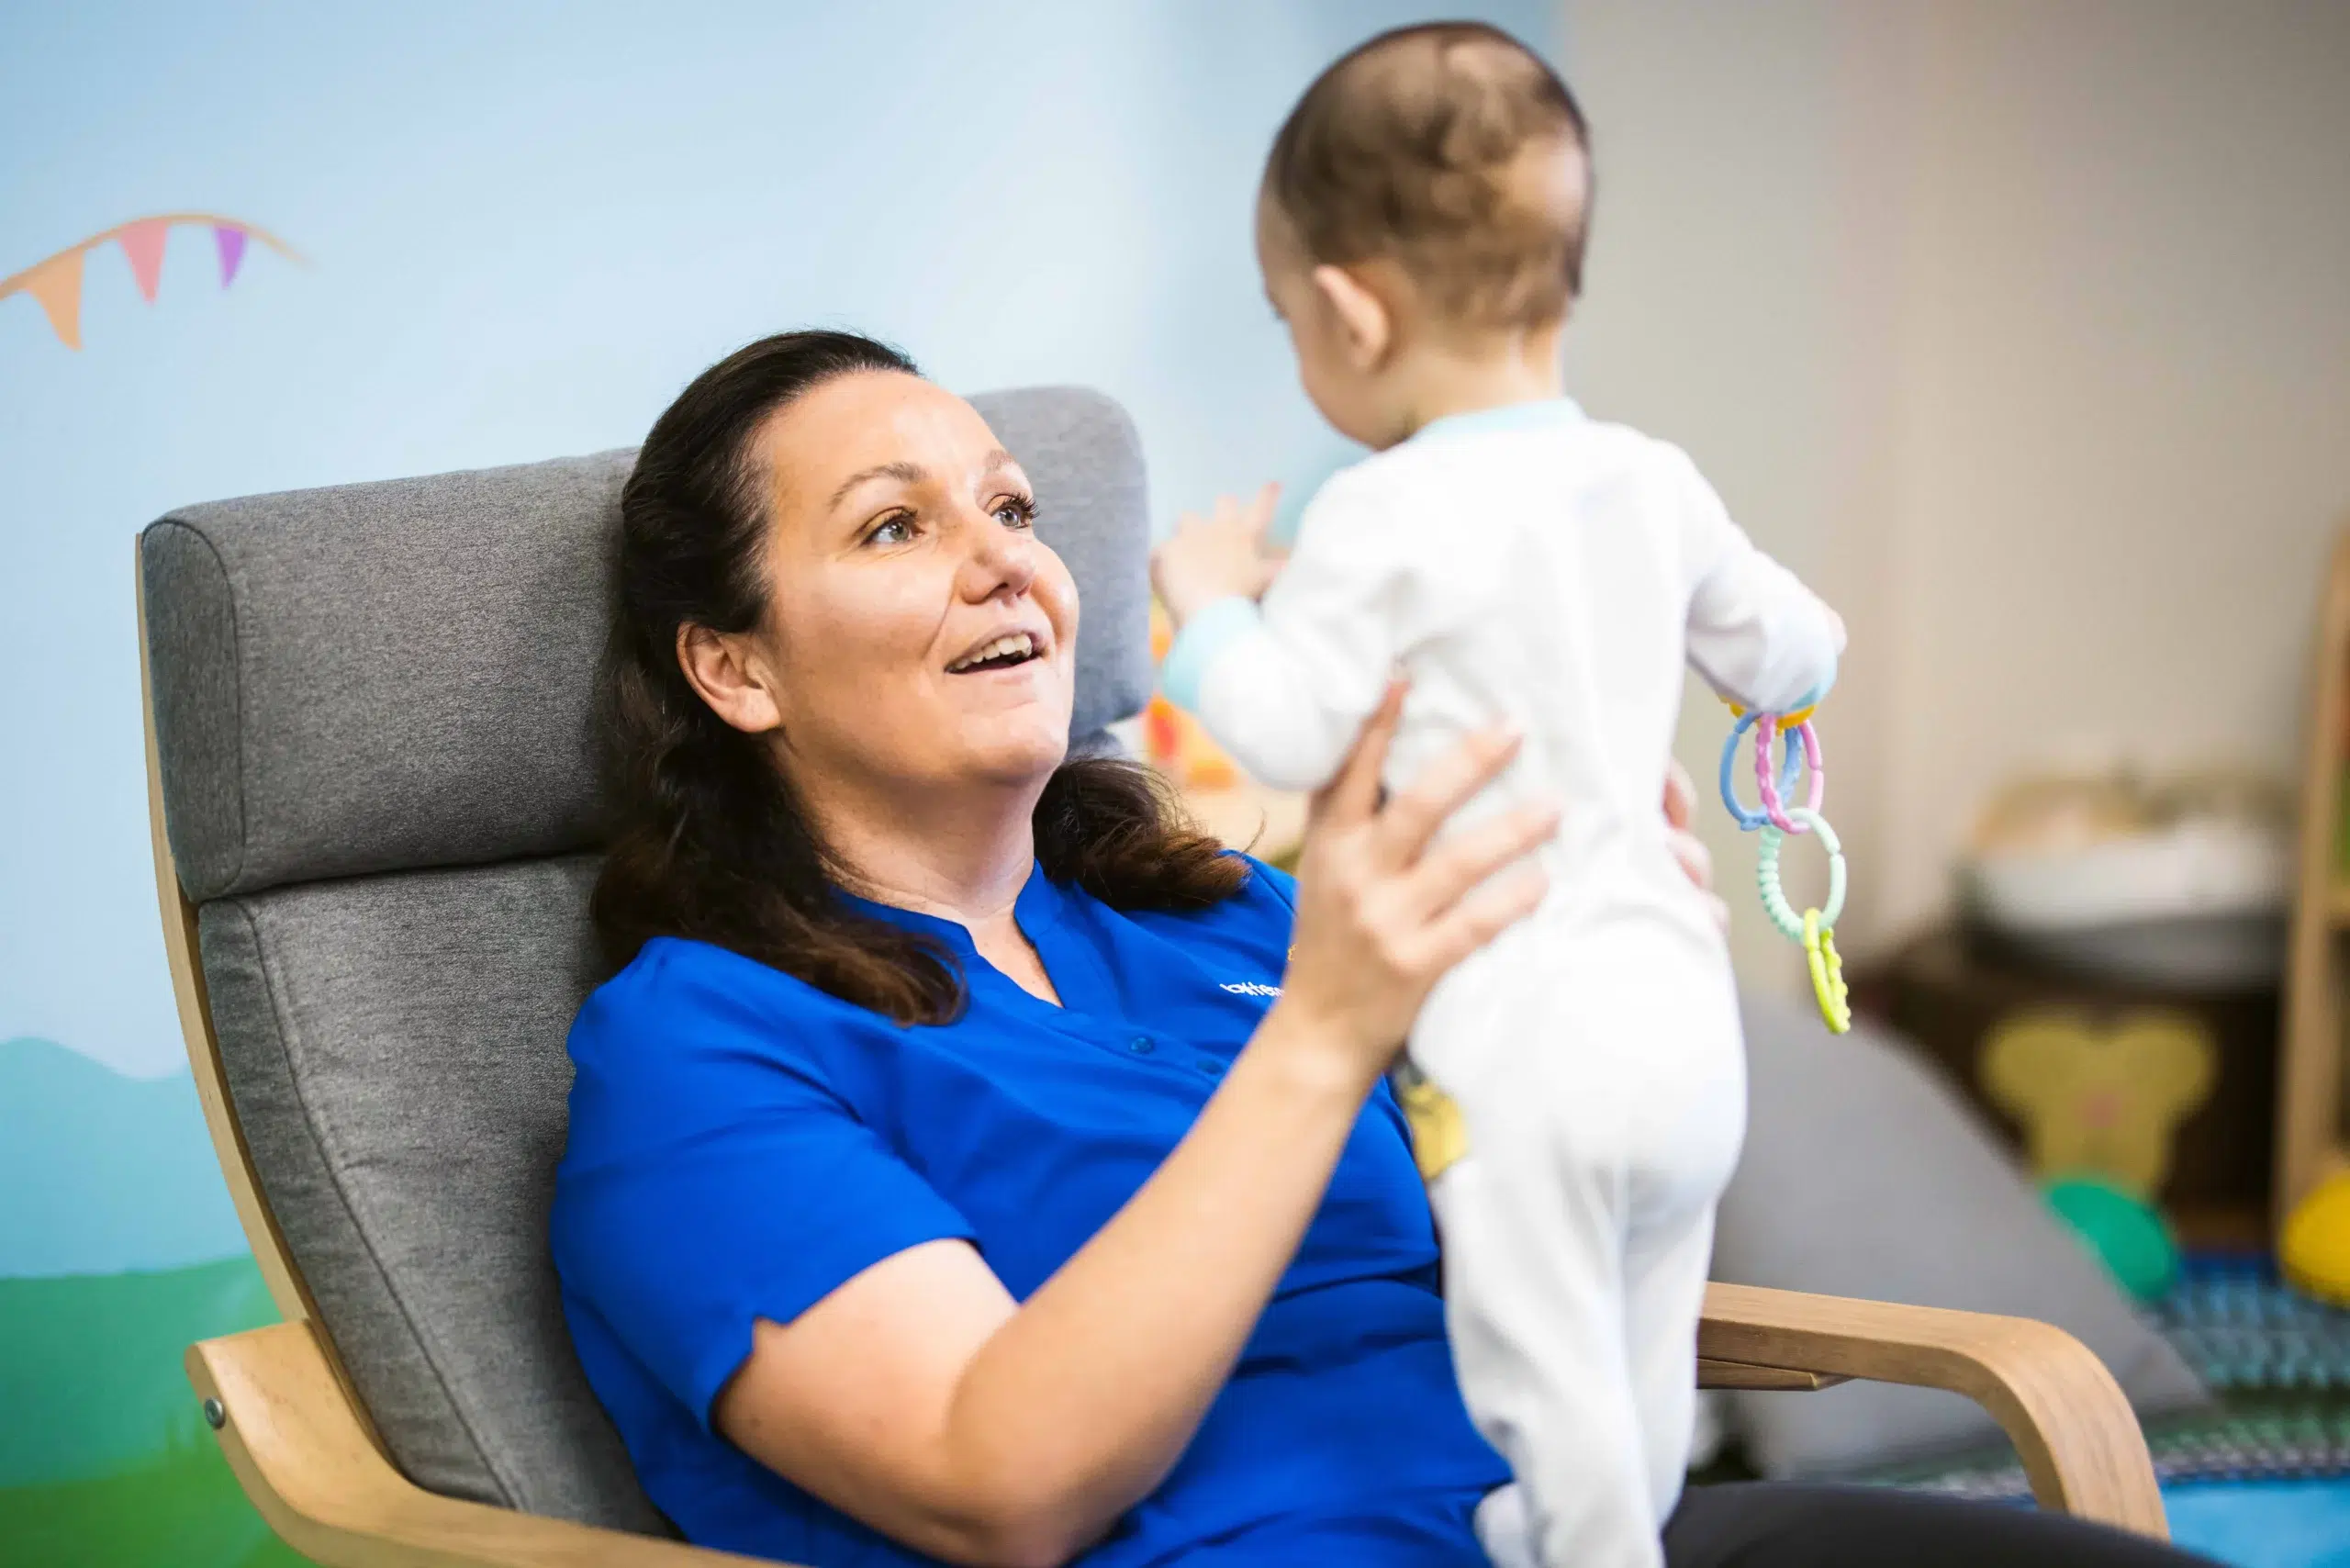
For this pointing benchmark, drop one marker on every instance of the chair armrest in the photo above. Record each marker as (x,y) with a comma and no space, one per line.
(302,1457)
(2069,1419)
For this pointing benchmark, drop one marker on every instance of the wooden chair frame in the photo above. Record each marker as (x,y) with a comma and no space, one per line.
(2310,1142)
(301,1445)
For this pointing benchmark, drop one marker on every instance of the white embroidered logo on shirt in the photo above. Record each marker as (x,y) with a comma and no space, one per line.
(1250,988)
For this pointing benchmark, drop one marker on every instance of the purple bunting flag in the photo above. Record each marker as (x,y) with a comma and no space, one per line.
(232,252)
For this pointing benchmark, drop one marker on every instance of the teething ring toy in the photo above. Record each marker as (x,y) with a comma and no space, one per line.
(1827,974)
(1814,928)
(1786,721)
(1792,762)
(1811,761)
(1766,872)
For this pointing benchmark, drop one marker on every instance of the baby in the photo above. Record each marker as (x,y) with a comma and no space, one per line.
(1421,232)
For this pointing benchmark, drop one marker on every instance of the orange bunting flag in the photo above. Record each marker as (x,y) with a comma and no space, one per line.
(143,242)
(57,284)
(56,281)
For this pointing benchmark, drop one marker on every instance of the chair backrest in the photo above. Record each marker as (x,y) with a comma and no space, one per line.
(371,711)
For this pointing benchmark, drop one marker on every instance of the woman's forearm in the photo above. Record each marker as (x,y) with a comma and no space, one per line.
(1079,1404)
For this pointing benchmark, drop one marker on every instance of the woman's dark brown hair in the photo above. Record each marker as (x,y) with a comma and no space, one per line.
(709,840)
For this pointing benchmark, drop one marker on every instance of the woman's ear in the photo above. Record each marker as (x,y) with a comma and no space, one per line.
(1366,327)
(728,674)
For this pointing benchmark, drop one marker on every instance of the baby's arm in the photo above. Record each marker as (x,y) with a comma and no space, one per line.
(1756,633)
(1285,685)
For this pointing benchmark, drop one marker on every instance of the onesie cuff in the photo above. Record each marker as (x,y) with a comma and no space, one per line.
(1203,637)
(1819,694)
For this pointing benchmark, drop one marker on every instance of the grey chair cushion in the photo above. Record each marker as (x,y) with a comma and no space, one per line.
(372,709)
(1864,1175)
(390,676)
(394,1045)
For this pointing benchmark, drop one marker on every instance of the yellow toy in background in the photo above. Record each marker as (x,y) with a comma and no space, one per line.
(2314,1250)
(2099,1108)
(2101,1101)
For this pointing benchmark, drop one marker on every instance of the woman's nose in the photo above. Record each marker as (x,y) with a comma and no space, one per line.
(1001,562)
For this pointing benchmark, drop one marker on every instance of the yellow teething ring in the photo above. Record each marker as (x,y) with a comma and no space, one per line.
(1827,973)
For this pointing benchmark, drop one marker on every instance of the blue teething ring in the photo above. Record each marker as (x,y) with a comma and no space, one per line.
(1790,771)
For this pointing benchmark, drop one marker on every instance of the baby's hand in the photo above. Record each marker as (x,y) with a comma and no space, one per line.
(1216,556)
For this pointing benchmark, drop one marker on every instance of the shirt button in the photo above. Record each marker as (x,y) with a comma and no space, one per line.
(1142,1045)
(1212,1067)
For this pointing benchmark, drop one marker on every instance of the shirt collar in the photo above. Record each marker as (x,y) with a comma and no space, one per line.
(1549,413)
(1038,903)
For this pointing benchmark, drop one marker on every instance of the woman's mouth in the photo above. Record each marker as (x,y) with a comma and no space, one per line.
(1003,653)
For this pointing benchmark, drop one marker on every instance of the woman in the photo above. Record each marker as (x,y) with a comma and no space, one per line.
(946,1181)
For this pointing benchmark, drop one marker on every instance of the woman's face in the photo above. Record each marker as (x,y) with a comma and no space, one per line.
(918,635)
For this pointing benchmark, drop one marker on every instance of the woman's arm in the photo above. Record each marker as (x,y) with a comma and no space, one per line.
(921,1398)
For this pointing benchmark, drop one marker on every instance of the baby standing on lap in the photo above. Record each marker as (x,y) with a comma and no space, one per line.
(1421,229)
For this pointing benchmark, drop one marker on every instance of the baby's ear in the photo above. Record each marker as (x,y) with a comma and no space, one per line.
(1365,325)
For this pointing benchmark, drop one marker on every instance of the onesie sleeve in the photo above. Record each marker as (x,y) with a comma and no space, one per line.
(1757,634)
(1285,686)
(713,1176)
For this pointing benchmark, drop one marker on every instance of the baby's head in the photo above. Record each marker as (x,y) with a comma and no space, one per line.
(1422,212)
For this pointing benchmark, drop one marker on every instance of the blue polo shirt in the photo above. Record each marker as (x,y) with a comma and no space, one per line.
(742,1143)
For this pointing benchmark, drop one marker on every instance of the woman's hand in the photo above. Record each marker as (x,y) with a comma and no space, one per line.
(1680,812)
(1381,915)
(1222,555)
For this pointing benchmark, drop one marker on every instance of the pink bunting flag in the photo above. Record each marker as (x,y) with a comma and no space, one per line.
(232,251)
(57,284)
(143,242)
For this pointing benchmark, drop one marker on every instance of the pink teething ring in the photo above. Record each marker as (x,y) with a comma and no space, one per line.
(1766,730)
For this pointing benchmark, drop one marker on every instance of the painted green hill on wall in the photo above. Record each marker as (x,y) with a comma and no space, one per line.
(105,1460)
(76,1203)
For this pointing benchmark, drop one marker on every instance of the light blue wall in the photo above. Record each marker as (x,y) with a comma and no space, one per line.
(528,225)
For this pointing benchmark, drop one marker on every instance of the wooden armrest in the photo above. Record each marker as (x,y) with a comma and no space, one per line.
(2067,1418)
(302,1457)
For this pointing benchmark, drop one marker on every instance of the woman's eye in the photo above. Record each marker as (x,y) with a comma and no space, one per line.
(1015,512)
(892,531)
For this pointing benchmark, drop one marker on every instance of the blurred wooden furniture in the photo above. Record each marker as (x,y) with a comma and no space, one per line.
(2309,1141)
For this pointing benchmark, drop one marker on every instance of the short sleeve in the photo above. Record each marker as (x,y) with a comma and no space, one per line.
(713,1177)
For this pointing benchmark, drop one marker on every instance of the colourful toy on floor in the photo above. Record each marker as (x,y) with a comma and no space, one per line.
(1813,929)
(2123,1231)
(2314,1250)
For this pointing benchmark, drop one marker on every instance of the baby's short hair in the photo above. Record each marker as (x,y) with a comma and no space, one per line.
(1430,145)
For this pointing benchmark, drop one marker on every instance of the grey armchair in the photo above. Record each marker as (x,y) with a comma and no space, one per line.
(375,808)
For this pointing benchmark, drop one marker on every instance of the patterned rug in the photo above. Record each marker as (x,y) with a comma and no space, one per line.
(2277,1363)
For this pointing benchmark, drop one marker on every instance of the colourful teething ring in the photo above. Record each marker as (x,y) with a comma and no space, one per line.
(1766,873)
(1790,765)
(1827,973)
(1772,807)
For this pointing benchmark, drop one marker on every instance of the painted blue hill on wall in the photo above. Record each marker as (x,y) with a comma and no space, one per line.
(76,1205)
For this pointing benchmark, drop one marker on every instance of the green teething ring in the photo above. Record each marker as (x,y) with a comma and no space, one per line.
(1766,873)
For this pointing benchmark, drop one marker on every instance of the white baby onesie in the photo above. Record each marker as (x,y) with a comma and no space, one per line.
(1532,565)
